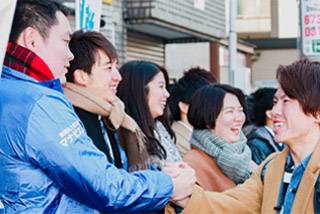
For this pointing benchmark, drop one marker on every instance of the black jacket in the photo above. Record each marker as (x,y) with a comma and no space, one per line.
(94,131)
(262,144)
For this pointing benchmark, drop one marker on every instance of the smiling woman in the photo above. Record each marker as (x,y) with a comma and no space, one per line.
(219,152)
(144,90)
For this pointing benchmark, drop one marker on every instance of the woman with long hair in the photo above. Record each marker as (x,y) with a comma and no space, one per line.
(144,91)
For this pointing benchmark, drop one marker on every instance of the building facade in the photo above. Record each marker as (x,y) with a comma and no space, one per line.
(273,27)
(176,34)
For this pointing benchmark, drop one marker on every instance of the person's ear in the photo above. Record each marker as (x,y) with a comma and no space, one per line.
(183,107)
(30,38)
(269,114)
(317,118)
(80,77)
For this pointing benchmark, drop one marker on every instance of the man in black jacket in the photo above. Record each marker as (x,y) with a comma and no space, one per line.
(261,140)
(95,78)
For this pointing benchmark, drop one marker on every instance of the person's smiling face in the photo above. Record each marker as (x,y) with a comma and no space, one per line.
(230,119)
(157,95)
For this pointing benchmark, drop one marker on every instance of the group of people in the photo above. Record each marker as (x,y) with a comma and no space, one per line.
(81,134)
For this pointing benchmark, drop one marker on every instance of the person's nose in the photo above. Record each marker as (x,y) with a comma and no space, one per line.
(276,110)
(240,116)
(166,93)
(70,55)
(116,75)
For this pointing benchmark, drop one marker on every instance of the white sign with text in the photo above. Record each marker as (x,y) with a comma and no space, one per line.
(310,15)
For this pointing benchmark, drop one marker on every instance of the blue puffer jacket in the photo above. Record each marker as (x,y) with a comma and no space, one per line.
(49,165)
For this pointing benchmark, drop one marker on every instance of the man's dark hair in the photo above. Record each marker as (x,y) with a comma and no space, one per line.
(207,102)
(185,87)
(85,47)
(39,14)
(262,102)
(301,81)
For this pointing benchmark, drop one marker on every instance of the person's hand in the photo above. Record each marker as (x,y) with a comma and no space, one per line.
(171,169)
(183,178)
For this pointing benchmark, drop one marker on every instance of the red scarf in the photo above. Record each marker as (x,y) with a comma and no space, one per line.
(25,61)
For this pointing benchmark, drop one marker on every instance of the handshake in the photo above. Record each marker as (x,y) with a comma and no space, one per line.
(183,178)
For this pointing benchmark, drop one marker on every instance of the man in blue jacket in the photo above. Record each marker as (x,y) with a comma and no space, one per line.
(48,164)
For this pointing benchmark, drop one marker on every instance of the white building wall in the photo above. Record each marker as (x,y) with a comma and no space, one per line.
(287,19)
(264,69)
(180,57)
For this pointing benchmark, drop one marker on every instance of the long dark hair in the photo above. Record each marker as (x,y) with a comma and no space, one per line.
(133,91)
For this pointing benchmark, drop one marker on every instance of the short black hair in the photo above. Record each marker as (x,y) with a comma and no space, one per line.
(184,88)
(85,47)
(39,14)
(262,101)
(207,102)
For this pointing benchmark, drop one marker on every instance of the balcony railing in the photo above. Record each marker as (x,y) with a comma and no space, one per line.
(179,13)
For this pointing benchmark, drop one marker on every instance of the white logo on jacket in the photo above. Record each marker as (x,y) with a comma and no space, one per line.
(71,133)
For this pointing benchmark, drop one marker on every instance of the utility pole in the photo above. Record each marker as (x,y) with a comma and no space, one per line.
(232,41)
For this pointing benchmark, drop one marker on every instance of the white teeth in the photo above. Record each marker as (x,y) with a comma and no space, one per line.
(277,125)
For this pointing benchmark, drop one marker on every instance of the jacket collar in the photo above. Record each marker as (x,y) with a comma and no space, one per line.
(9,73)
(26,61)
(83,99)
(306,187)
(308,181)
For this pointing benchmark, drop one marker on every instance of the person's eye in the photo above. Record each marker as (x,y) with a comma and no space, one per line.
(275,102)
(108,69)
(286,100)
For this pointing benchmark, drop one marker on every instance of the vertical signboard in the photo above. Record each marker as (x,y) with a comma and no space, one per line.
(88,14)
(7,8)
(310,19)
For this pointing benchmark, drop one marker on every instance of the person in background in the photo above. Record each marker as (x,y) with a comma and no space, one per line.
(48,164)
(287,181)
(249,125)
(261,140)
(219,153)
(144,92)
(179,101)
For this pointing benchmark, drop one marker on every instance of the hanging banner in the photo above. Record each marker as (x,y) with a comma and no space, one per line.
(88,14)
(7,8)
(310,19)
